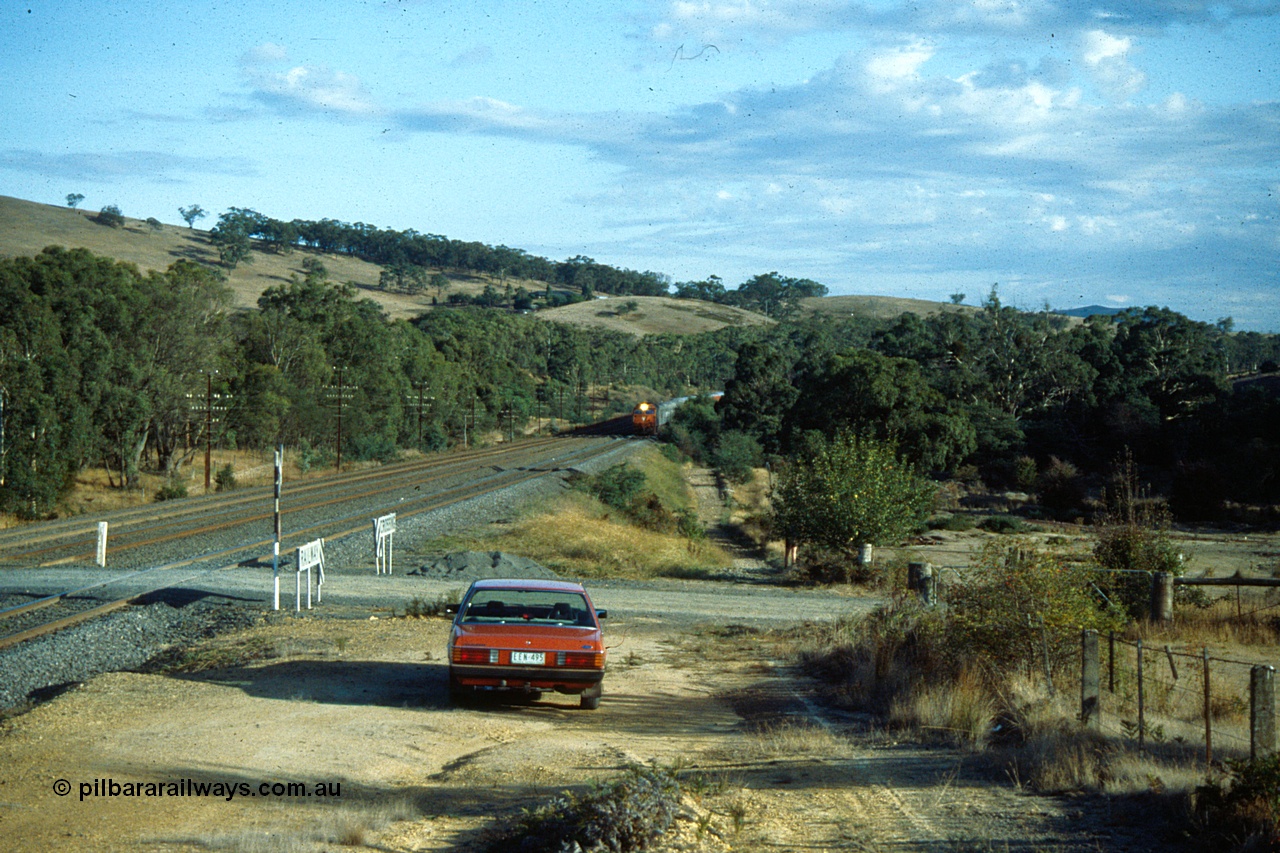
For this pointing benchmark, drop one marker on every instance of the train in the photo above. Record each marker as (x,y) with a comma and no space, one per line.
(644,419)
(647,418)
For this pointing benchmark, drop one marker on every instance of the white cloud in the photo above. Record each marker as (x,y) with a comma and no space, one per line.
(1107,58)
(303,88)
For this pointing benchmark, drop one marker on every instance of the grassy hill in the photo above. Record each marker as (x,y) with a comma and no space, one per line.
(653,315)
(26,227)
(880,307)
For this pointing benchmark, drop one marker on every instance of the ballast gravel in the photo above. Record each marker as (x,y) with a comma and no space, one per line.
(45,666)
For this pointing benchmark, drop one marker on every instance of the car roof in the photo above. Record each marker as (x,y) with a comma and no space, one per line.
(528,583)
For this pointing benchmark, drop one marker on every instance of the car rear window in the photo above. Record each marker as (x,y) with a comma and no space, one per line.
(545,606)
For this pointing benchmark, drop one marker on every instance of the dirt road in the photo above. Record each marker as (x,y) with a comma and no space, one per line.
(362,704)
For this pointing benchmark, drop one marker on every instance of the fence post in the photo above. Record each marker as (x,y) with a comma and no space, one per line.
(1090,683)
(1208,713)
(1162,597)
(1111,662)
(1262,711)
(1142,719)
(920,581)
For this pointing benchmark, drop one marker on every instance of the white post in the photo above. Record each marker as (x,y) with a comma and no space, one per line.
(102,544)
(384,529)
(309,555)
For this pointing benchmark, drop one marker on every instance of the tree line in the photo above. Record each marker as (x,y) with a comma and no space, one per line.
(410,255)
(1018,400)
(102,364)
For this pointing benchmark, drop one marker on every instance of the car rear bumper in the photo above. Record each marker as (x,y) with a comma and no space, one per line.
(524,677)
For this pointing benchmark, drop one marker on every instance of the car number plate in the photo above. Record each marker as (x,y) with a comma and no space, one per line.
(532,658)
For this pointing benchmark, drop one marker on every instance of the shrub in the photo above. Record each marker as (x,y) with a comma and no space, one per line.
(1132,542)
(621,816)
(1242,804)
(172,489)
(1021,605)
(618,486)
(849,491)
(1005,524)
(736,456)
(1061,488)
(374,448)
(225,478)
(110,216)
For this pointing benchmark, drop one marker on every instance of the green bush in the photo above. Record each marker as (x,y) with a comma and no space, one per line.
(849,491)
(225,478)
(1005,524)
(736,456)
(1020,604)
(1060,487)
(171,490)
(954,522)
(374,448)
(110,216)
(1131,541)
(619,486)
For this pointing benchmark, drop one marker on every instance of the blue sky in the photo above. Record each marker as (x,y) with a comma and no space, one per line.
(1114,152)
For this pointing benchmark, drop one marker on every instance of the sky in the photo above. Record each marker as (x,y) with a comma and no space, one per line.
(1112,152)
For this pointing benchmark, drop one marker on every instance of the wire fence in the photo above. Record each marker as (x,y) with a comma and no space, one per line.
(1158,695)
(1168,697)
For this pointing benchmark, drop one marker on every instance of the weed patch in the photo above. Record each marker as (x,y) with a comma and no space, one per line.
(624,815)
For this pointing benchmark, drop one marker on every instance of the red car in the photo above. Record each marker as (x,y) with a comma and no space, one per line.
(527,636)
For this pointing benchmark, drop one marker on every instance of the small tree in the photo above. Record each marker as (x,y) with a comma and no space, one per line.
(74,199)
(850,491)
(1131,540)
(154,224)
(736,456)
(232,244)
(111,216)
(191,214)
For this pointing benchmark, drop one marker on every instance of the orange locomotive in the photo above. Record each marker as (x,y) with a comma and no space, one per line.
(644,419)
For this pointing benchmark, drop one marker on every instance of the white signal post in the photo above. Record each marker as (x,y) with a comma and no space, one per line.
(102,544)
(275,552)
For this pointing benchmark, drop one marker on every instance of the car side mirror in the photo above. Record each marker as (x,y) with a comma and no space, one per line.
(602,614)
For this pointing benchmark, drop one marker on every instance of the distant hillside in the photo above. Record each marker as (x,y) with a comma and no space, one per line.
(653,315)
(1089,311)
(26,227)
(880,307)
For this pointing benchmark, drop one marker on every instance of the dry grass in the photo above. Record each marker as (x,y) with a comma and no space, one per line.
(352,826)
(959,712)
(654,315)
(1255,622)
(790,739)
(578,537)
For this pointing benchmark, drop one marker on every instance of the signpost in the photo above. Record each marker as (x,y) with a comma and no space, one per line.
(384,531)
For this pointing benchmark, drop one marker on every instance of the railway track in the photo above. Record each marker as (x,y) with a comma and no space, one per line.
(74,540)
(204,535)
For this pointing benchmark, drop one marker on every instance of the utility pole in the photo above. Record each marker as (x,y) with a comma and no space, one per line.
(421,386)
(340,394)
(208,426)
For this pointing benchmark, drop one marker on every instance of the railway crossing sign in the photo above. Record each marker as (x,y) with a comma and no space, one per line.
(384,531)
(310,555)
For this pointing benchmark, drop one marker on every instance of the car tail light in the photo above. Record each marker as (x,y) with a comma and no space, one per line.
(582,660)
(464,654)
